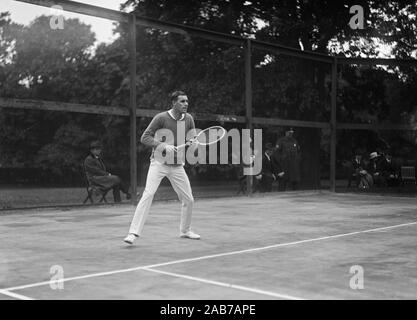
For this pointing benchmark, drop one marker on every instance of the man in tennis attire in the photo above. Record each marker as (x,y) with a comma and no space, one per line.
(181,124)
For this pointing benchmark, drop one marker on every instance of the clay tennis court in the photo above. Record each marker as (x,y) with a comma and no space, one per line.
(297,245)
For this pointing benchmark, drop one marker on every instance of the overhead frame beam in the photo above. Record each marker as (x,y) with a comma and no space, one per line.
(13,103)
(31,104)
(290,123)
(377,61)
(82,8)
(375,126)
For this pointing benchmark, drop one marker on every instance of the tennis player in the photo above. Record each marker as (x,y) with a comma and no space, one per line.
(180,124)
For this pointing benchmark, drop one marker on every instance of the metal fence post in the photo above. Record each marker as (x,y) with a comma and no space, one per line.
(132,71)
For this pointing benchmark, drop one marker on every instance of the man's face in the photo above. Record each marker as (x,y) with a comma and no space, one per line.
(289,133)
(96,151)
(181,105)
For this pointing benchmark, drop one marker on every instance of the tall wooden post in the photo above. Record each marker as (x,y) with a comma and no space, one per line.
(248,102)
(132,105)
(333,129)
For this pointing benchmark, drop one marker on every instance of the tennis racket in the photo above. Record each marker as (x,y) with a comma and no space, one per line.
(207,136)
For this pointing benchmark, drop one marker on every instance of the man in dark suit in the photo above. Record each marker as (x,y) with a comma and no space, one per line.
(288,155)
(389,172)
(357,165)
(278,170)
(361,176)
(267,175)
(375,168)
(98,176)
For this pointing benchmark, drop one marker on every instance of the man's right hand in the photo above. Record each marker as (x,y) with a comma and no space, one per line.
(170,148)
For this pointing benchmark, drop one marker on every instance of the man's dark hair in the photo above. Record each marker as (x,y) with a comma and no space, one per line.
(174,96)
(269,146)
(96,144)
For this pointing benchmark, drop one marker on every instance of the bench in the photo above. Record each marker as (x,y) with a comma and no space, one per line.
(408,175)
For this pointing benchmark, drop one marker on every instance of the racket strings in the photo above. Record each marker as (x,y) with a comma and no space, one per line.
(210,135)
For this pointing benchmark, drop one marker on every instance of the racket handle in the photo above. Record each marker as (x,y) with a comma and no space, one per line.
(188,143)
(182,145)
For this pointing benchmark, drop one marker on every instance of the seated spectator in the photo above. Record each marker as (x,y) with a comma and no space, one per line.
(389,172)
(98,176)
(372,167)
(363,179)
(376,167)
(355,164)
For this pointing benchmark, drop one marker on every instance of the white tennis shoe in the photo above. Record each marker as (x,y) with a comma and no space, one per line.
(130,238)
(190,235)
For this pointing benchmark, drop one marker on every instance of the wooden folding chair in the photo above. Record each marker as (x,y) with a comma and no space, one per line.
(408,175)
(91,189)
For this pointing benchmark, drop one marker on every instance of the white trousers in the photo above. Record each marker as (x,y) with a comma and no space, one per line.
(180,183)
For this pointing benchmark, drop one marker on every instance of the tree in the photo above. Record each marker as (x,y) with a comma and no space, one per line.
(44,64)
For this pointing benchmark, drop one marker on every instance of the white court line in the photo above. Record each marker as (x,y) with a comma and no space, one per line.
(93,275)
(15,295)
(227,285)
